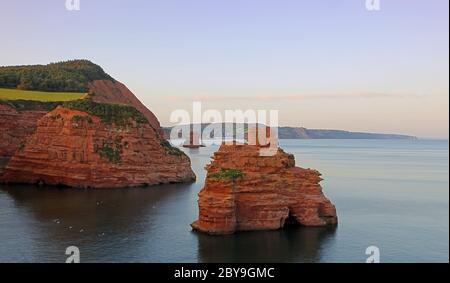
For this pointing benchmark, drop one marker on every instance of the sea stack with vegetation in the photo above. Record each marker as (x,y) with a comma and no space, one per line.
(247,191)
(71,124)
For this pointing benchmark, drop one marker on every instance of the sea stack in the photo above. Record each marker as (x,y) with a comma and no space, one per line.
(194,141)
(246,191)
(108,139)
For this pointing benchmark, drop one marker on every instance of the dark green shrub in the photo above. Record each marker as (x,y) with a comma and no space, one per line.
(24,105)
(21,146)
(230,174)
(78,118)
(110,150)
(68,76)
(55,117)
(171,149)
(120,115)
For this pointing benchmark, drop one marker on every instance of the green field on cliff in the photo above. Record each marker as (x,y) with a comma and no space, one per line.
(17,94)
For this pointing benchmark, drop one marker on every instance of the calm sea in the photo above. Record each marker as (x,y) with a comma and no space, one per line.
(392,194)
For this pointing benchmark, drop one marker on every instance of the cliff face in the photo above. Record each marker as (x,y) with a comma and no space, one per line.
(245,191)
(15,126)
(74,148)
(107,140)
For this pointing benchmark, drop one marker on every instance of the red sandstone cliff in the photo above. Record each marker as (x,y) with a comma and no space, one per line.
(107,91)
(270,193)
(73,148)
(15,127)
(79,149)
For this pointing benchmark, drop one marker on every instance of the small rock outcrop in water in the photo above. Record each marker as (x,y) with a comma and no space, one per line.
(245,191)
(106,140)
(194,141)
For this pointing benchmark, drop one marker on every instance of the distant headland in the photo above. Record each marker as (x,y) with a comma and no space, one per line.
(304,133)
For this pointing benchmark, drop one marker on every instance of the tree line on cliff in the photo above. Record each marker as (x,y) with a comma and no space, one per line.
(67,76)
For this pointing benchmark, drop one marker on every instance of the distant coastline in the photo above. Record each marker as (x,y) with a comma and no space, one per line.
(304,133)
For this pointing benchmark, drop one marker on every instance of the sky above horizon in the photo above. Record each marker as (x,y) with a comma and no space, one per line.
(322,63)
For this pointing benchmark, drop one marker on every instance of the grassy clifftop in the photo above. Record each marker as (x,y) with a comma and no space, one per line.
(45,87)
(68,76)
(17,94)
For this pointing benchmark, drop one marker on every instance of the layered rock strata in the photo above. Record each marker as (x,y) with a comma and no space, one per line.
(108,139)
(15,127)
(73,148)
(246,191)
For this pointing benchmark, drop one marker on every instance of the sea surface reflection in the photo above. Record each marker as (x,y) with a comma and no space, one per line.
(393,194)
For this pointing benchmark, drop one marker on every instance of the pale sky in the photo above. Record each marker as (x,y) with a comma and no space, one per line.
(322,63)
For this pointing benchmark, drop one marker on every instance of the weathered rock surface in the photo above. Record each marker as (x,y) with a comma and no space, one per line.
(76,149)
(270,194)
(15,127)
(101,141)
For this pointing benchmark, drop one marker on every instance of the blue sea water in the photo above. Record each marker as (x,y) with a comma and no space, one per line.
(393,194)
